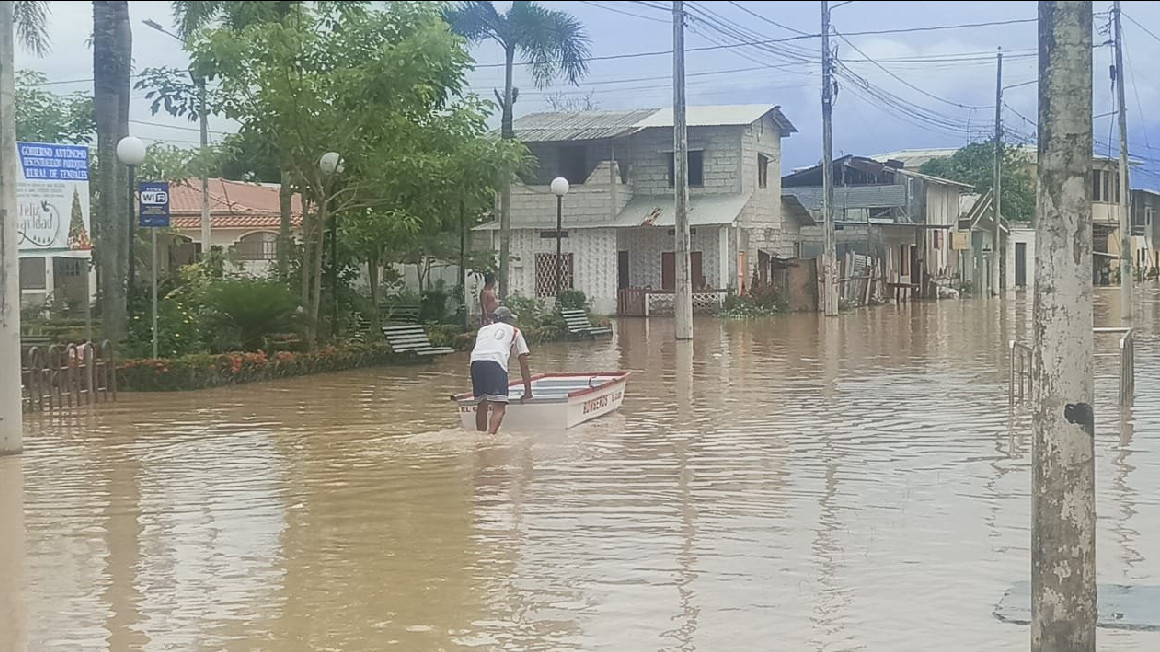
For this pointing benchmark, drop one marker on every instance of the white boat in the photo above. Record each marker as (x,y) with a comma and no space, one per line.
(559,401)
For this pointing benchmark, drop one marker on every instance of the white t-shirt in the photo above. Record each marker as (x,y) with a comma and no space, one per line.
(498,342)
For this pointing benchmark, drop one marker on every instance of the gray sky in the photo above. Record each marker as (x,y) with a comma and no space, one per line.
(933,88)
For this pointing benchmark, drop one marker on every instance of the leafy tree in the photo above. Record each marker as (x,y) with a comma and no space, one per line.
(46,117)
(551,42)
(174,164)
(385,89)
(975,164)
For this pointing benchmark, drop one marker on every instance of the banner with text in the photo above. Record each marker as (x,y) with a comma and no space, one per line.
(52,197)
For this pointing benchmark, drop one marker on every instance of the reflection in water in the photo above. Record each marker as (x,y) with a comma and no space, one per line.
(794,483)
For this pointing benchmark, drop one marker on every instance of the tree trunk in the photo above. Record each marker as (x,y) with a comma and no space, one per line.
(112,47)
(316,267)
(1063,569)
(507,132)
(285,236)
(11,417)
(305,266)
(373,279)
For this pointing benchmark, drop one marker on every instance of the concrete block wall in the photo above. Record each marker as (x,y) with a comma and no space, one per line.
(593,259)
(646,244)
(595,202)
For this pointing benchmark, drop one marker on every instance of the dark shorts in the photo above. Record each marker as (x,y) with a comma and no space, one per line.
(489,381)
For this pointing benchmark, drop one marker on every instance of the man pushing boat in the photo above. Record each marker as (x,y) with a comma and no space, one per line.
(494,346)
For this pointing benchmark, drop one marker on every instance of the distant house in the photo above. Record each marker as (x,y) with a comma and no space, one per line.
(244,217)
(900,218)
(1145,208)
(618,236)
(1105,204)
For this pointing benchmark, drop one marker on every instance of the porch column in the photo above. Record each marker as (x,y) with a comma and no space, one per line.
(723,258)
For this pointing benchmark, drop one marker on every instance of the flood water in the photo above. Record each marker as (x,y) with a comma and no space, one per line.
(788,484)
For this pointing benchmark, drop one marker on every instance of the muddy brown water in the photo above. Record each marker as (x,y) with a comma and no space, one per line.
(786,484)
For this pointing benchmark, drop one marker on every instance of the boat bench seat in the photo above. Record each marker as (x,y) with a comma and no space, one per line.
(411,339)
(580,325)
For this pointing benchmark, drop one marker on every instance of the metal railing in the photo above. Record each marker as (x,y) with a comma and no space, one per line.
(59,376)
(1020,388)
(1020,385)
(1127,348)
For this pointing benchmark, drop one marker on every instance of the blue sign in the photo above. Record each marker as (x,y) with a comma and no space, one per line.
(51,162)
(154,204)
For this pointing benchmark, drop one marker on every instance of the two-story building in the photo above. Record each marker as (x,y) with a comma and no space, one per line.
(899,218)
(618,215)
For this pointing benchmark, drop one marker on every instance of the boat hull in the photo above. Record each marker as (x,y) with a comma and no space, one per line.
(559,401)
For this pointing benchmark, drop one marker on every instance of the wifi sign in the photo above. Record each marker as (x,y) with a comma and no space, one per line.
(154,204)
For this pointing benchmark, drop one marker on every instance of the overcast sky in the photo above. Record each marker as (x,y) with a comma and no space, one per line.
(927,88)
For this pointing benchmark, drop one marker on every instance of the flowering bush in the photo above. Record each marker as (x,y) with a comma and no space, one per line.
(200,371)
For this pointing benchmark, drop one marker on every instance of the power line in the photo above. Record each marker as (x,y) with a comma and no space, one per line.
(600,5)
(763,18)
(788,39)
(1137,24)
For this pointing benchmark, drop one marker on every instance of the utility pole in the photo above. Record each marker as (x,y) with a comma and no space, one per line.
(1063,541)
(830,254)
(1126,277)
(203,119)
(11,416)
(997,180)
(683,298)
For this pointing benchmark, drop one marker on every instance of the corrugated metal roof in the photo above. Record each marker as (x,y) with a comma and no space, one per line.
(704,210)
(550,126)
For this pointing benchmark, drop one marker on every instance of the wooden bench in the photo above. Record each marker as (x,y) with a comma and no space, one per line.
(411,339)
(580,326)
(399,314)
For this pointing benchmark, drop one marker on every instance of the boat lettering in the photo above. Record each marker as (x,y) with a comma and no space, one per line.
(597,403)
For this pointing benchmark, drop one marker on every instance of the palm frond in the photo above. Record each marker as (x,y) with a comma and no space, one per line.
(477,20)
(553,42)
(31,17)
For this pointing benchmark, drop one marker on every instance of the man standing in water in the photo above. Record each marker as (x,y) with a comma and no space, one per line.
(494,346)
(488,298)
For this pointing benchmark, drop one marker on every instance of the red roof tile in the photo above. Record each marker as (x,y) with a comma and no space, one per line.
(232,205)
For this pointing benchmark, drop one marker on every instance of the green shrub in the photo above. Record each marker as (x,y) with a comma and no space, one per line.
(762,300)
(250,310)
(572,300)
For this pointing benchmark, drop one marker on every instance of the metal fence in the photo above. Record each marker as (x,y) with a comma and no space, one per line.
(1021,385)
(59,376)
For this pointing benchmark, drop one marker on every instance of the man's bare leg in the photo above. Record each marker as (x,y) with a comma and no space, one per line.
(497,412)
(481,416)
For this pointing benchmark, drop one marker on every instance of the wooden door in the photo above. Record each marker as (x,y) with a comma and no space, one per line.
(622,277)
(669,271)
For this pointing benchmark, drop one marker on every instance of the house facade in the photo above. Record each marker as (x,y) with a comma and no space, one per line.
(244,217)
(618,215)
(1106,210)
(900,219)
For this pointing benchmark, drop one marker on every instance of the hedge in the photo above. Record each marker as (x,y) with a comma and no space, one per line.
(201,371)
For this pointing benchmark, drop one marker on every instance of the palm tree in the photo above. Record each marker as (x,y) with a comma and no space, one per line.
(26,20)
(552,43)
(112,62)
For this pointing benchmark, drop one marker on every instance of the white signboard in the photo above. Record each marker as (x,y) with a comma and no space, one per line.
(52,197)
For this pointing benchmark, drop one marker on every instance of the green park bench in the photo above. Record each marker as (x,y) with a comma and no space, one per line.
(412,340)
(579,325)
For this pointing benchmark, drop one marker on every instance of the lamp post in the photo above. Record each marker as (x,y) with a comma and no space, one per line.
(131,153)
(330,164)
(559,188)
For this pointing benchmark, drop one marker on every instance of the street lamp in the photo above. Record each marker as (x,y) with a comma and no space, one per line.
(559,188)
(131,153)
(330,163)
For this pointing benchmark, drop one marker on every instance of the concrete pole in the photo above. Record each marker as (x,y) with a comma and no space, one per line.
(203,119)
(997,179)
(683,298)
(1063,568)
(830,247)
(1126,278)
(11,417)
